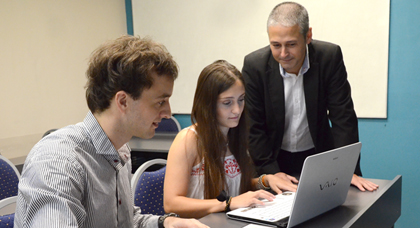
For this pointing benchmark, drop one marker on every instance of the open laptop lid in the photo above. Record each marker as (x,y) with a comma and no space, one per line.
(323,185)
(324,182)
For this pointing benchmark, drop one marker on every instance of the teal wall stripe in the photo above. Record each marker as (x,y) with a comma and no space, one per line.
(129,13)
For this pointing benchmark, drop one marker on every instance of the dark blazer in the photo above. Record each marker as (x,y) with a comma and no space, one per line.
(327,97)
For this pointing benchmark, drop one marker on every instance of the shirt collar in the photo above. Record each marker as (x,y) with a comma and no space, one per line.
(101,141)
(305,66)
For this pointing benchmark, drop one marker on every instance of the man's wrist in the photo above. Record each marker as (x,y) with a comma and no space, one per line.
(162,219)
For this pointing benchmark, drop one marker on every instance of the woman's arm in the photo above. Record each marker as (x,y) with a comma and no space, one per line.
(181,158)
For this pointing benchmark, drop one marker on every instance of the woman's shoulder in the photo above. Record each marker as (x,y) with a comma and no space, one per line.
(185,142)
(188,133)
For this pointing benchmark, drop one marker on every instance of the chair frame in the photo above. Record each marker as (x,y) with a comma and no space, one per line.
(136,176)
(7,201)
(177,123)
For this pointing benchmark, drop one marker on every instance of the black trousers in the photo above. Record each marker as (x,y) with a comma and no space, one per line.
(291,163)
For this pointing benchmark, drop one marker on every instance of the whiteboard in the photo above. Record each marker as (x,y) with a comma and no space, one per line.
(197,33)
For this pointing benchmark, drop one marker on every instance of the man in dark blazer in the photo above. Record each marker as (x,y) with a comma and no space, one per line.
(298,97)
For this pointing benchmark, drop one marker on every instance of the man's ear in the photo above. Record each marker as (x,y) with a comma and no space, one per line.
(121,101)
(309,36)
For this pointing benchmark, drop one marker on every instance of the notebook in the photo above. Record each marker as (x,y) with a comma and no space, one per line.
(323,185)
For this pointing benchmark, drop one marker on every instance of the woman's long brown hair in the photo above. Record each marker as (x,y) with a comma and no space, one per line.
(211,143)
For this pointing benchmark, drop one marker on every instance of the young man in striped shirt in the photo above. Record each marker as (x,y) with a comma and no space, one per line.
(79,176)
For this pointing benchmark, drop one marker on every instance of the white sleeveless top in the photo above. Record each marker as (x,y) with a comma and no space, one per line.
(232,174)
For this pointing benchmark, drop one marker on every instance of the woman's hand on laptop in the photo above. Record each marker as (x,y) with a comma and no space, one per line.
(362,184)
(250,198)
(281,181)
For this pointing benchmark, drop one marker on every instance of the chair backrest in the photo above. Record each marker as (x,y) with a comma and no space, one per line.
(9,178)
(7,201)
(147,187)
(169,125)
(7,221)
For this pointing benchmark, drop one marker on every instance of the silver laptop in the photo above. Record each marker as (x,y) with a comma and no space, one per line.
(323,185)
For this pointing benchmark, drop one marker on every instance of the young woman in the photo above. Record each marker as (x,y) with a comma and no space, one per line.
(208,168)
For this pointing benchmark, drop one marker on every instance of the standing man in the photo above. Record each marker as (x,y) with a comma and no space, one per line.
(295,88)
(79,176)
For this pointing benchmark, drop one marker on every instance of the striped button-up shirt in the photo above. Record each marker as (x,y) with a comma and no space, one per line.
(75,177)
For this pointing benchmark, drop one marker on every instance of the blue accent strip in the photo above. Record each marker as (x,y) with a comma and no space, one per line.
(129,14)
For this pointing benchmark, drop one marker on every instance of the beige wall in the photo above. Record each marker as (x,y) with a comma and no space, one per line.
(44,50)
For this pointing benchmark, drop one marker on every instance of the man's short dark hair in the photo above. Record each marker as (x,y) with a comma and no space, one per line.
(125,64)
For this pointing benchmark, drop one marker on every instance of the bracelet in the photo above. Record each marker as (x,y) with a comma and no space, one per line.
(227,207)
(262,181)
(261,184)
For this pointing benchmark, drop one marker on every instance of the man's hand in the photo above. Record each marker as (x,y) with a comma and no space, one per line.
(363,184)
(174,222)
(286,177)
(281,181)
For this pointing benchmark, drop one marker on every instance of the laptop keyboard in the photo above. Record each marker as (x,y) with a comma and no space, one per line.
(275,210)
